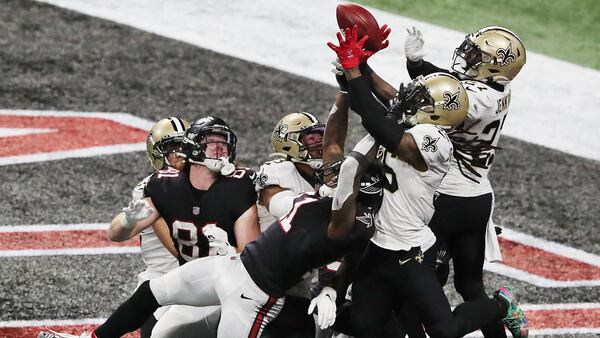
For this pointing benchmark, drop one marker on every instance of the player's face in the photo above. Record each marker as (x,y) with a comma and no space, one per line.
(216,146)
(314,142)
(176,161)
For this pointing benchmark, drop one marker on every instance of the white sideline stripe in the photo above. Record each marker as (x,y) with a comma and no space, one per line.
(527,277)
(51,322)
(85,152)
(11,132)
(72,252)
(560,306)
(549,246)
(122,118)
(291,36)
(53,227)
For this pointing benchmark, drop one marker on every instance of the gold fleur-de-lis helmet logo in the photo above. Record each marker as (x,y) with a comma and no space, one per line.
(280,132)
(451,100)
(506,55)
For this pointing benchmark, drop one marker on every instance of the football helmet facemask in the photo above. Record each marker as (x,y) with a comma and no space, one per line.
(370,192)
(492,54)
(437,98)
(164,138)
(288,135)
(195,142)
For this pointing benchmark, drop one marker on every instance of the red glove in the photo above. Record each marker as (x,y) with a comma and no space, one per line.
(350,52)
(384,32)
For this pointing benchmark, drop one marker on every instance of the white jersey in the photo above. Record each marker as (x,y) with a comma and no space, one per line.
(407,206)
(284,174)
(475,141)
(156,257)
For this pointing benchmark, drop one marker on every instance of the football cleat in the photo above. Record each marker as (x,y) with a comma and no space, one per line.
(515,319)
(52,334)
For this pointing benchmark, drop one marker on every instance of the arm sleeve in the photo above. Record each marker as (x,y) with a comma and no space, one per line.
(422,67)
(374,116)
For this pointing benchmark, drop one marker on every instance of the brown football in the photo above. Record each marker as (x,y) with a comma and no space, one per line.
(349,15)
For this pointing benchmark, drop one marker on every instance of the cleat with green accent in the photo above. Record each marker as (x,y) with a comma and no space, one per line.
(515,319)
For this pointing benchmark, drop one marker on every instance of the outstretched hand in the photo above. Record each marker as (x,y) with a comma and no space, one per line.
(384,31)
(350,52)
(413,45)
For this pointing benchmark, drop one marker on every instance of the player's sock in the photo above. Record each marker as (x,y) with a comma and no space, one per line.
(131,315)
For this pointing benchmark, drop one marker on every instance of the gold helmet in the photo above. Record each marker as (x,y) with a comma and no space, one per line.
(437,98)
(492,54)
(287,138)
(163,138)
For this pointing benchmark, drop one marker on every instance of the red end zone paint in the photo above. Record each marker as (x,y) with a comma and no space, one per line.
(546,264)
(32,331)
(72,133)
(60,240)
(564,318)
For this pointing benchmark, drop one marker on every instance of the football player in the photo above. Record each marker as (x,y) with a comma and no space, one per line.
(163,149)
(486,61)
(209,206)
(251,287)
(399,266)
(297,142)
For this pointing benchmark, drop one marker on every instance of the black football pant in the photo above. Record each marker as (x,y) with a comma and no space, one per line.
(389,279)
(461,222)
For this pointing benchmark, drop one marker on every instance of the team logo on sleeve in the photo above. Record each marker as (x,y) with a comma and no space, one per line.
(506,55)
(260,181)
(429,143)
(451,101)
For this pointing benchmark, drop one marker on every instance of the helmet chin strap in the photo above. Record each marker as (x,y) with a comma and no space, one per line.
(220,165)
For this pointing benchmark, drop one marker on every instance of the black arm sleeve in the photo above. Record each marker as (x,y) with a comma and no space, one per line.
(422,67)
(382,126)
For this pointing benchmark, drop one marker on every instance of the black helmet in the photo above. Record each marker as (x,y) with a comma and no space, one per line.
(194,145)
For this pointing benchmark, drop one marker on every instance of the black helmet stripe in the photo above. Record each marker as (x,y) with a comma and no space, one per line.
(177,124)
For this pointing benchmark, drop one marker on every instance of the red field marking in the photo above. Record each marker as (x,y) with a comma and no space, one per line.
(544,319)
(71,133)
(546,264)
(68,239)
(32,331)
(564,318)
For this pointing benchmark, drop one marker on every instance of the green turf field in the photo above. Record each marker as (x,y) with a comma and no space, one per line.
(569,30)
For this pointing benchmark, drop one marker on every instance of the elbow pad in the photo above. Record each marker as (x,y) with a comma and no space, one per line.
(281,203)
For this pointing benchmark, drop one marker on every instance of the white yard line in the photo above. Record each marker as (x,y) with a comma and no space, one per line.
(552,101)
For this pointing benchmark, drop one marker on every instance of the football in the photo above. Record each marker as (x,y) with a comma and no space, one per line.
(349,15)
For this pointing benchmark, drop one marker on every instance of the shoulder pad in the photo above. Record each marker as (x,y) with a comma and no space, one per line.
(433,143)
(478,95)
(275,173)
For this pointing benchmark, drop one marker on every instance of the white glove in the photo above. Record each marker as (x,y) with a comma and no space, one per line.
(326,308)
(218,241)
(326,191)
(136,211)
(413,45)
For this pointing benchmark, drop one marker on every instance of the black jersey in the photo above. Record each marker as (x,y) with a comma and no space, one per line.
(186,210)
(298,243)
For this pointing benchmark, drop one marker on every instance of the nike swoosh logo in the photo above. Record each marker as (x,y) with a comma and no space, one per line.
(244,297)
(404,261)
